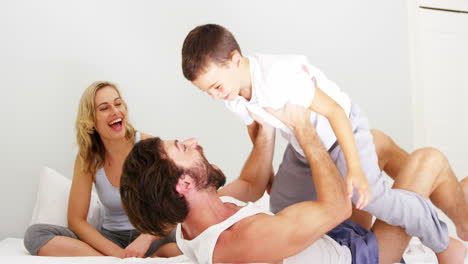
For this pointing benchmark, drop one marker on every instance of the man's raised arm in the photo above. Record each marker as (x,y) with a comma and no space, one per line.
(253,180)
(297,226)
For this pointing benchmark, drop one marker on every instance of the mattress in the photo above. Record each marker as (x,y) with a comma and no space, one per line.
(13,251)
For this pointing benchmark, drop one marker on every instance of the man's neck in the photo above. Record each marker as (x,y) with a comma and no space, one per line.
(246,85)
(206,209)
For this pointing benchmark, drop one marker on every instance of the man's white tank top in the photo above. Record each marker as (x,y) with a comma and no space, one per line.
(201,248)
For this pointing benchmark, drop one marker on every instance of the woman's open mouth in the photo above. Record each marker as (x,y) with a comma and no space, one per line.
(116,124)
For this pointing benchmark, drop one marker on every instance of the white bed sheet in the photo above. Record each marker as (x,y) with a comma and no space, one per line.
(13,251)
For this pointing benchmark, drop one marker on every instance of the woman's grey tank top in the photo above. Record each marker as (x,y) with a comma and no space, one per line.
(115,218)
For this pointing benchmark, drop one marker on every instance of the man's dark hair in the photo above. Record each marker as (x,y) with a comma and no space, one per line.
(206,44)
(148,189)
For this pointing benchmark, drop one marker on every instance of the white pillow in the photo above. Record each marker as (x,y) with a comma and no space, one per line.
(52,201)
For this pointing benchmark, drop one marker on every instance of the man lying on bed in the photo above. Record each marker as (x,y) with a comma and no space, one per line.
(170,182)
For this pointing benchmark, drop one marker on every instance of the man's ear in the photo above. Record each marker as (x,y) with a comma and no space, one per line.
(185,184)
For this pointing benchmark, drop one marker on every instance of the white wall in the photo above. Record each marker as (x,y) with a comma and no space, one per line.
(51,50)
(441,88)
(439,56)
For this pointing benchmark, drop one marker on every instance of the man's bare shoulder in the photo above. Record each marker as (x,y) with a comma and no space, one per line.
(240,242)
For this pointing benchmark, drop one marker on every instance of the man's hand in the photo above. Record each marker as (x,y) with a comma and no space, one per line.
(260,121)
(139,246)
(263,127)
(356,179)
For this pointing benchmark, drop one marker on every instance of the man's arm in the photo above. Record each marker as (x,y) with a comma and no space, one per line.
(253,131)
(298,226)
(251,184)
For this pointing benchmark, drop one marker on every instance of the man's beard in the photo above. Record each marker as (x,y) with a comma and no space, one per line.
(206,176)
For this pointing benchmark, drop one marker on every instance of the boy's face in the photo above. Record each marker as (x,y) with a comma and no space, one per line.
(220,81)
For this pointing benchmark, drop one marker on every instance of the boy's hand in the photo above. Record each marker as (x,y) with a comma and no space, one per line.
(357,180)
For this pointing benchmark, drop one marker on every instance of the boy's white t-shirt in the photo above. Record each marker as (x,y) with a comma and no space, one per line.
(279,79)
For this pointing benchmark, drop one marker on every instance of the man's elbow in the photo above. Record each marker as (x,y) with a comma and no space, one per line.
(256,195)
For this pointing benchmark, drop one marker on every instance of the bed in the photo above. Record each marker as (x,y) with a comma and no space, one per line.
(51,206)
(13,251)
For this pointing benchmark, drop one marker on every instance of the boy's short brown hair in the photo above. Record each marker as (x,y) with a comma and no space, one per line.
(205,44)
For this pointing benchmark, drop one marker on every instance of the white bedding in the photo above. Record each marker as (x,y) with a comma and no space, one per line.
(13,251)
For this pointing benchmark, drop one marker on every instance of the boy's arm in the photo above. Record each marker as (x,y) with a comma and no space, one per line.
(341,126)
(297,226)
(251,184)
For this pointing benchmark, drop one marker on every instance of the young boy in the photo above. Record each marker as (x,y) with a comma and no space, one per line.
(212,61)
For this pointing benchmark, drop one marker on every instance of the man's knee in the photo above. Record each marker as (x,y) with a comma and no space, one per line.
(430,156)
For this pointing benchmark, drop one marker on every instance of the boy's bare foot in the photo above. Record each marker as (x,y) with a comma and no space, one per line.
(454,254)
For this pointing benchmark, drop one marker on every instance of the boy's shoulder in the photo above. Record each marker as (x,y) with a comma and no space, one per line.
(278,60)
(278,68)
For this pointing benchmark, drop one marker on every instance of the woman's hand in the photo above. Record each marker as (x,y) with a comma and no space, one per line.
(139,246)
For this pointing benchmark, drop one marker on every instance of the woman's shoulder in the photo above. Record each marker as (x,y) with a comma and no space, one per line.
(80,170)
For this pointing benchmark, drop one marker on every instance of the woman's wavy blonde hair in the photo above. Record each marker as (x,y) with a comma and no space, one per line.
(90,146)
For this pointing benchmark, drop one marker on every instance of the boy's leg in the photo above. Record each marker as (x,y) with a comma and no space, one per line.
(391,156)
(391,159)
(421,175)
(448,194)
(405,209)
(393,240)
(394,206)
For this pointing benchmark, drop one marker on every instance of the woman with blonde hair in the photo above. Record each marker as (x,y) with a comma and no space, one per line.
(104,137)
